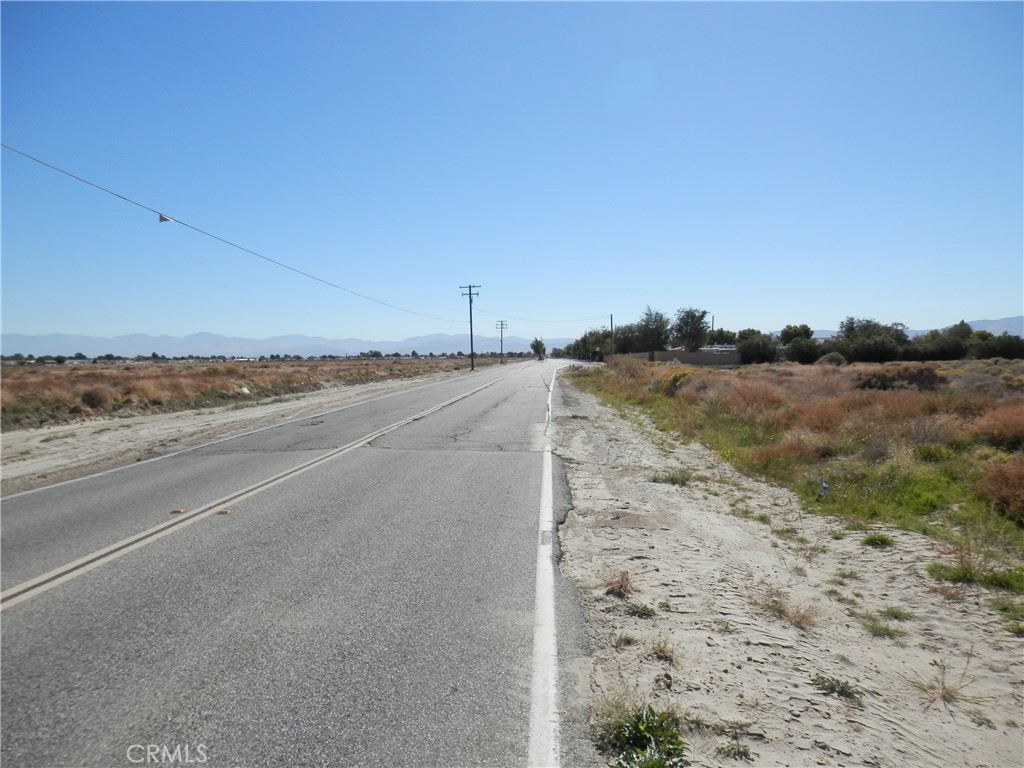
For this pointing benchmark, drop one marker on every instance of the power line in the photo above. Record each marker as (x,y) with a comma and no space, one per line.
(529,320)
(162,217)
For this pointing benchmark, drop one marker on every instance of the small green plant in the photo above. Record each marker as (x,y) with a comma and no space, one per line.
(834,594)
(640,611)
(645,739)
(837,535)
(764,518)
(666,606)
(675,477)
(837,687)
(979,718)
(786,534)
(895,613)
(798,570)
(877,540)
(875,627)
(736,751)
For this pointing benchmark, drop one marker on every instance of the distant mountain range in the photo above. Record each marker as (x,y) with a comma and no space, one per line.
(210,344)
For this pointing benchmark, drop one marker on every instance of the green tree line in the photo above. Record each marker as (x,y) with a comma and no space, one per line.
(856,340)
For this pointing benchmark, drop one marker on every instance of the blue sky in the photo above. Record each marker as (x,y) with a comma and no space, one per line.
(770,163)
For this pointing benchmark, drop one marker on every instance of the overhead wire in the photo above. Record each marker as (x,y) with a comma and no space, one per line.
(163,217)
(532,320)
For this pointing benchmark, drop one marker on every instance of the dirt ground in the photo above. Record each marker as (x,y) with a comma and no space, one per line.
(730,622)
(721,646)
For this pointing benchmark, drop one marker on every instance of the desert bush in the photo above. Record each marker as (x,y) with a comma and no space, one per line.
(831,358)
(98,398)
(1002,427)
(820,415)
(671,381)
(1003,485)
(918,375)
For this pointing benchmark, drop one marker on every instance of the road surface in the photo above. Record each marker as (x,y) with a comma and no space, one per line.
(373,586)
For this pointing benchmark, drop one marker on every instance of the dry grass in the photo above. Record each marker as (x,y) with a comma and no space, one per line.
(34,395)
(940,688)
(663,649)
(924,447)
(777,603)
(618,585)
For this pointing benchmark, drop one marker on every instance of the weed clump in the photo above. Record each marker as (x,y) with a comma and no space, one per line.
(645,739)
(877,540)
(640,611)
(837,687)
(675,477)
(620,585)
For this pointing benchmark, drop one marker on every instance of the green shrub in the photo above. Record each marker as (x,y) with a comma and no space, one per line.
(675,477)
(640,611)
(646,739)
(877,540)
(836,687)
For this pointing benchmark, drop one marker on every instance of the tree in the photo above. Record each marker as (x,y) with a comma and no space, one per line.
(803,350)
(691,328)
(653,331)
(791,332)
(758,348)
(868,341)
(722,336)
(537,345)
(627,339)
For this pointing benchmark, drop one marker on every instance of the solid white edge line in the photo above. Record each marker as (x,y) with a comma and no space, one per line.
(544,751)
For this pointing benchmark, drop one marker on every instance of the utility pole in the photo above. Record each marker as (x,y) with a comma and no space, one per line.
(469,292)
(611,326)
(501,326)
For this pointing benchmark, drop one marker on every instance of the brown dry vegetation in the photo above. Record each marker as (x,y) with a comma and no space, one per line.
(36,395)
(930,447)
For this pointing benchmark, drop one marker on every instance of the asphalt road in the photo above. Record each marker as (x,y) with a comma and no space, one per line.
(365,602)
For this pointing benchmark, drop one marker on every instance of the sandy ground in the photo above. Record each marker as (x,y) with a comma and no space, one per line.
(698,557)
(742,677)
